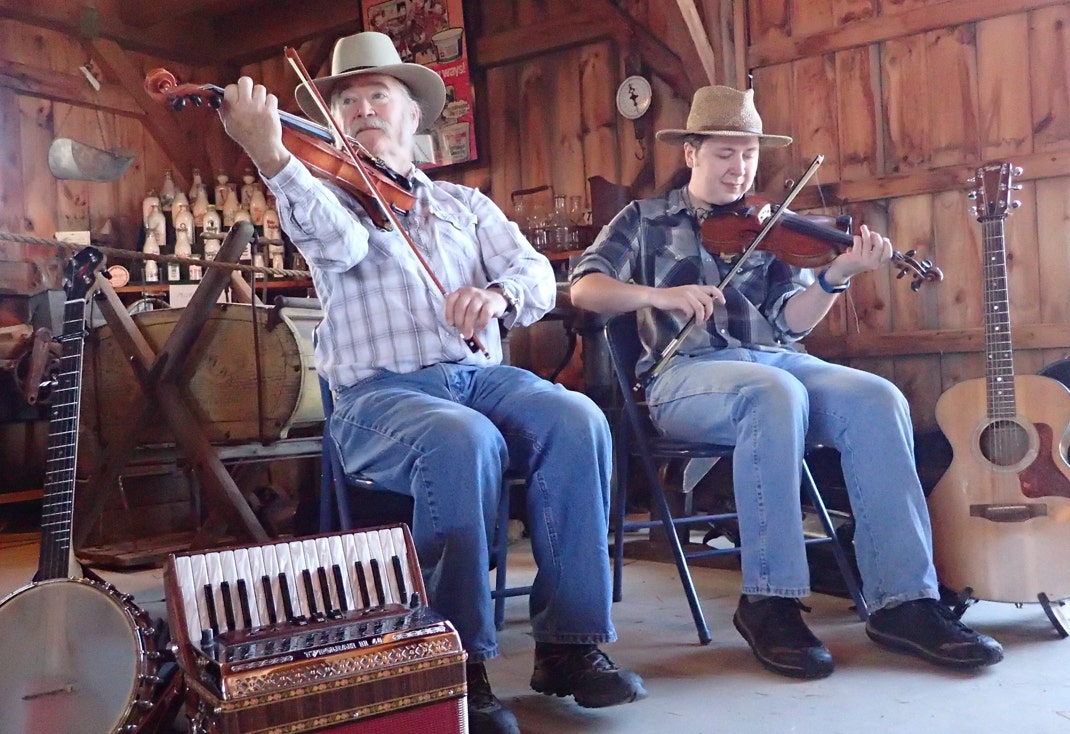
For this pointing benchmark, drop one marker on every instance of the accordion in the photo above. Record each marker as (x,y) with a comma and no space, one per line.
(328,633)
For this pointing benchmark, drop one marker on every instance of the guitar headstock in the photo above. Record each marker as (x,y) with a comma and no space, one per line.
(992,187)
(79,274)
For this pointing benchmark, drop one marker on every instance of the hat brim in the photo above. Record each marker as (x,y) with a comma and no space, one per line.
(426,86)
(677,137)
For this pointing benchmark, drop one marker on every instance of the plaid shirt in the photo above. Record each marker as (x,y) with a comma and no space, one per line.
(655,242)
(381,309)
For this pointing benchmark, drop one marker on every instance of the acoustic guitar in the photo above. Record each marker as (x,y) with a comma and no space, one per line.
(78,656)
(1001,512)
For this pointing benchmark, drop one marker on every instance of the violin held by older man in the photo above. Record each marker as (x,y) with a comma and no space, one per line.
(311,143)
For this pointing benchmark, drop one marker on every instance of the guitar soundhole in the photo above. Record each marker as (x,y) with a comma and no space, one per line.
(1004,443)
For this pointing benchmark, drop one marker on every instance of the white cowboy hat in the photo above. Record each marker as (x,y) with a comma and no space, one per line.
(718,110)
(374,53)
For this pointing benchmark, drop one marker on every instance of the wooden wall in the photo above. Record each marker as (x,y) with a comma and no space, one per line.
(903,98)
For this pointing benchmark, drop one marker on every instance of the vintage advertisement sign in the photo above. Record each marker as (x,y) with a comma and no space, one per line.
(431,32)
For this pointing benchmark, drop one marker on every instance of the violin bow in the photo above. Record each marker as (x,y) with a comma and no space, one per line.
(674,344)
(347,143)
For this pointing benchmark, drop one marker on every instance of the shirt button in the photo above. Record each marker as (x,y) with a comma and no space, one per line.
(723,331)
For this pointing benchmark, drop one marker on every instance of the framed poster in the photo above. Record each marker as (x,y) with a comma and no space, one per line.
(431,32)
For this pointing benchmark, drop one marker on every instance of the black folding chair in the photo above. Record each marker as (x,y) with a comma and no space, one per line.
(637,437)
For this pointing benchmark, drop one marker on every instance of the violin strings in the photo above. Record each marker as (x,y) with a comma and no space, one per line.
(848,300)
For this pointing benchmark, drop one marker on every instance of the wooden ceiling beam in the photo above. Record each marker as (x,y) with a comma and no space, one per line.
(598,20)
(683,76)
(159,120)
(37,81)
(557,34)
(142,14)
(285,24)
(73,18)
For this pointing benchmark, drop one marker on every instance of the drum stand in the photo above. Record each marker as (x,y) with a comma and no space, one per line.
(157,375)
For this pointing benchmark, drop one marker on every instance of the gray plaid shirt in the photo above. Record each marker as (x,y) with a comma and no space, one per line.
(381,310)
(655,242)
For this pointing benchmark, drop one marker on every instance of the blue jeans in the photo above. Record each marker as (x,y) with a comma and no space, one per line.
(770,405)
(445,435)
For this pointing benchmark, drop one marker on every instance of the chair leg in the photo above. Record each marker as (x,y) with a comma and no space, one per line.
(677,550)
(837,548)
(501,554)
(619,508)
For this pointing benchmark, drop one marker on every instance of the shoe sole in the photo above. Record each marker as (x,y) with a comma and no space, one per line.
(906,647)
(592,701)
(790,671)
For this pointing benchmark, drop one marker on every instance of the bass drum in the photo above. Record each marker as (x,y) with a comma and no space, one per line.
(78,657)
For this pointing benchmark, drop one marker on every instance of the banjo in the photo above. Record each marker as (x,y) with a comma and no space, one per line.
(78,655)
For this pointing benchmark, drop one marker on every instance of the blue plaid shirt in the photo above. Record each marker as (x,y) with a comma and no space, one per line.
(656,242)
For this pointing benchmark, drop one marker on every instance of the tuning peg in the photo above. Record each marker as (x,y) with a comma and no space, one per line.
(973,210)
(1015,204)
(178,104)
(971,180)
(1017,187)
(972,195)
(1017,170)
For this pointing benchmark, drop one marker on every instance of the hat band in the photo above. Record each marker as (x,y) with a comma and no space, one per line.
(728,129)
(356,68)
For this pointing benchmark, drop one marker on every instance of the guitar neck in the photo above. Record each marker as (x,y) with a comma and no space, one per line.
(57,509)
(999,352)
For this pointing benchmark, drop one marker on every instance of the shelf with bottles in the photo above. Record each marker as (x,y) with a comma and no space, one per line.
(561,228)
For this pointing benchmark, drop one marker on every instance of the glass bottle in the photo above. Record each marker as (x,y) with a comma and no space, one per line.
(230,205)
(183,248)
(220,190)
(146,206)
(559,228)
(196,186)
(210,232)
(257,205)
(199,206)
(155,238)
(167,191)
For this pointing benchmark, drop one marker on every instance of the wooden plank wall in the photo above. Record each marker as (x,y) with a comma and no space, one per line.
(904,98)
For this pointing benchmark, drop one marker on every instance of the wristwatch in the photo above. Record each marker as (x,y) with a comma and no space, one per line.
(828,287)
(510,299)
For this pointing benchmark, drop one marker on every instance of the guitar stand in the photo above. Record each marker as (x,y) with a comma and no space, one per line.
(157,374)
(959,602)
(1054,610)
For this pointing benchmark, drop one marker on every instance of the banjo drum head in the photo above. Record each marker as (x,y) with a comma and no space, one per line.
(71,659)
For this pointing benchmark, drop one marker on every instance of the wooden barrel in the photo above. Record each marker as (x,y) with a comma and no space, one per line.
(219,380)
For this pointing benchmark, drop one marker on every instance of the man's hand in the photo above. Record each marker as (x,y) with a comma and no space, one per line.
(869,252)
(470,309)
(250,116)
(690,300)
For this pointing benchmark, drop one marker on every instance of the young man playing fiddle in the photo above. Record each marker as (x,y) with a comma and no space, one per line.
(416,409)
(737,379)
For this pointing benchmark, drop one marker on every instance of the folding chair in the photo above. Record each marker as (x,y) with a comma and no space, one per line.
(383,506)
(637,437)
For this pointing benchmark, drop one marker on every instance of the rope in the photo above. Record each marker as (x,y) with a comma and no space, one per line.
(136,255)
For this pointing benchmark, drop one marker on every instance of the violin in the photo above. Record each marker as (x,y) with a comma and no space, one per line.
(806,241)
(313,146)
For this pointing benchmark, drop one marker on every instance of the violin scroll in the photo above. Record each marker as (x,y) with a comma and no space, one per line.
(162,86)
(921,271)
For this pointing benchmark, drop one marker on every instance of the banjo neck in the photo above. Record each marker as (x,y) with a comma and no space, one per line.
(57,510)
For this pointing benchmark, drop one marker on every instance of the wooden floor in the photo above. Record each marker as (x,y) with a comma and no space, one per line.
(721,689)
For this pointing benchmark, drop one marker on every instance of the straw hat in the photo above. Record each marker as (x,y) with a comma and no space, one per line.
(374,53)
(721,110)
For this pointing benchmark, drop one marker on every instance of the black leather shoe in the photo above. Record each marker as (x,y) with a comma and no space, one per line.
(585,673)
(486,715)
(929,630)
(774,628)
